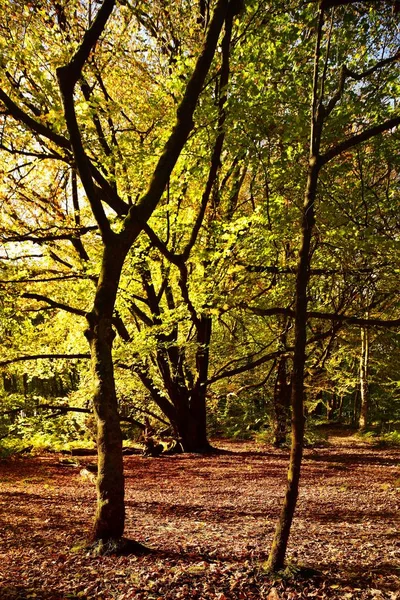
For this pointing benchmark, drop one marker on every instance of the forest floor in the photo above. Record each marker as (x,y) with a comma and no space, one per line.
(210,522)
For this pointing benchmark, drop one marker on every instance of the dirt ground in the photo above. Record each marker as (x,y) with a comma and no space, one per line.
(210,522)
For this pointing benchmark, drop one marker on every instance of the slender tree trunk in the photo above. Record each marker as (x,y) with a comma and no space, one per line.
(332,406)
(277,555)
(281,403)
(280,541)
(364,391)
(340,414)
(355,411)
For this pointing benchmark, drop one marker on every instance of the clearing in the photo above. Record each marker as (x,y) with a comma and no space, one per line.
(210,521)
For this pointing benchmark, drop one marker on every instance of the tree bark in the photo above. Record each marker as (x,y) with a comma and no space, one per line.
(110,513)
(192,428)
(279,544)
(364,391)
(281,403)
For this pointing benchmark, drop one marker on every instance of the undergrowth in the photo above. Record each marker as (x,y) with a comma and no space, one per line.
(382,440)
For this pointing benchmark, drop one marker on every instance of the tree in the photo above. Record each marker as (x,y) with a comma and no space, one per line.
(198,273)
(321,110)
(98,179)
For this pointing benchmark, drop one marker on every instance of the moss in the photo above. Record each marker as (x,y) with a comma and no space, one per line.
(117,547)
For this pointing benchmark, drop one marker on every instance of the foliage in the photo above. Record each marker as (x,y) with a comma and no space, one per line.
(244,256)
(313,437)
(381,439)
(45,431)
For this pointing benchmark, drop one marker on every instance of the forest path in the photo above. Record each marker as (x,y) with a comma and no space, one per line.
(344,436)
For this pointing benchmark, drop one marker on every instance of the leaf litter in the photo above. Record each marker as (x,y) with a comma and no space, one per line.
(209,521)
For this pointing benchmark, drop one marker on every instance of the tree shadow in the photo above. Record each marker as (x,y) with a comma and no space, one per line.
(386,572)
(354,459)
(197,512)
(351,516)
(21,592)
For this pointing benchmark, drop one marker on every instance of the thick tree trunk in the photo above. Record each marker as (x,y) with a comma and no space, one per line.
(197,434)
(191,425)
(364,391)
(190,404)
(110,513)
(278,550)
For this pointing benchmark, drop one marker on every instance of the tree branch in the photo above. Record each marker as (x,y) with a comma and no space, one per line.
(173,147)
(28,237)
(345,72)
(328,317)
(110,195)
(249,366)
(42,357)
(358,139)
(292,270)
(19,115)
(62,410)
(116,321)
(68,76)
(89,41)
(54,304)
(217,150)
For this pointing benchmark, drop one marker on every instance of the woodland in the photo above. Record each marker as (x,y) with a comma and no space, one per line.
(199,262)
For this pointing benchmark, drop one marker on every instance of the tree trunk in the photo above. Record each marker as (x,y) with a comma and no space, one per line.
(191,410)
(197,402)
(281,404)
(332,406)
(340,414)
(364,391)
(110,512)
(278,550)
(191,425)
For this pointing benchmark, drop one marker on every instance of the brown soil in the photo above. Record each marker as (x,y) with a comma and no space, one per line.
(210,522)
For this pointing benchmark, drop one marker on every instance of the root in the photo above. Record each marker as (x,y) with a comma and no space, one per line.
(119,547)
